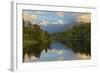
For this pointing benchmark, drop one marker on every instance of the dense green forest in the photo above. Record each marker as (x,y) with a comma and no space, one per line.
(34,35)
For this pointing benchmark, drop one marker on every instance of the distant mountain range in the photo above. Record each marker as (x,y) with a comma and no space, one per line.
(57,27)
(53,28)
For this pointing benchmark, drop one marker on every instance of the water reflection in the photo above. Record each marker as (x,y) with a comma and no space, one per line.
(81,46)
(35,50)
(52,52)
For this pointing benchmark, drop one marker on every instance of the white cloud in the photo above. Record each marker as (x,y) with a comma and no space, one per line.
(61,52)
(84,18)
(55,22)
(61,14)
(58,22)
(44,22)
(29,17)
(60,58)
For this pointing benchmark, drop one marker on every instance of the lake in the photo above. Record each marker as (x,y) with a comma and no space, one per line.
(55,52)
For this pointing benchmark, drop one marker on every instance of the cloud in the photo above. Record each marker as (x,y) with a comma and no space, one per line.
(29,17)
(83,56)
(61,14)
(58,22)
(84,18)
(60,58)
(61,52)
(44,22)
(54,22)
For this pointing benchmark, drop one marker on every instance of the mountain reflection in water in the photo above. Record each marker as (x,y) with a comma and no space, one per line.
(51,52)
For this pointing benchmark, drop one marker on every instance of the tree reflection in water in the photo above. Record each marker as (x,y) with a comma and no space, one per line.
(35,50)
(77,46)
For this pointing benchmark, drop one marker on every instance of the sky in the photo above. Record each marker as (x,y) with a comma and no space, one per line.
(55,17)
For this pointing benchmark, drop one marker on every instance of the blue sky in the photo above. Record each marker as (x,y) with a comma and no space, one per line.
(55,17)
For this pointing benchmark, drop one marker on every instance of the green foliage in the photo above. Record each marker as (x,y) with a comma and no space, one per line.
(34,35)
(77,38)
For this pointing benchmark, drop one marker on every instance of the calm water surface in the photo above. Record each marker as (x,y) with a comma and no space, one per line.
(56,52)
